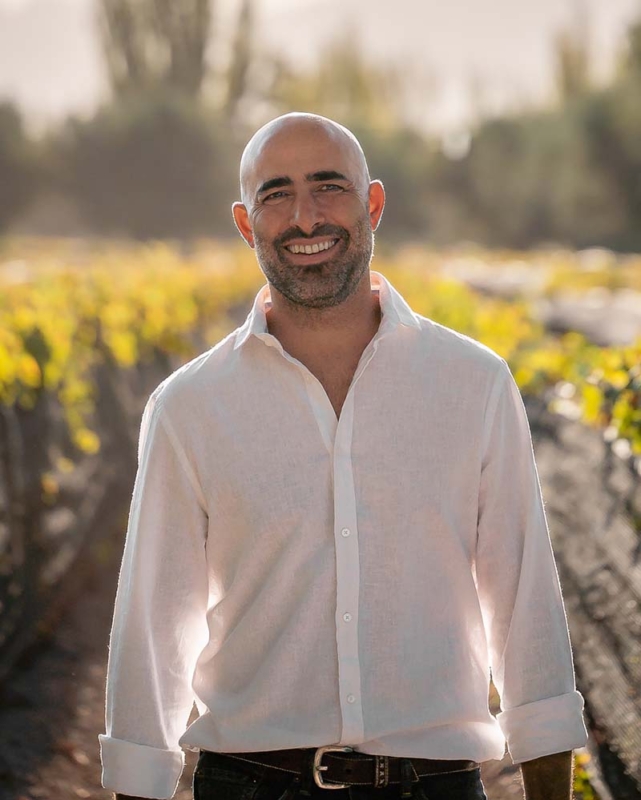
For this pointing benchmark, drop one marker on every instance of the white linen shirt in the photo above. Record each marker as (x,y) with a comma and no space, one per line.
(309,580)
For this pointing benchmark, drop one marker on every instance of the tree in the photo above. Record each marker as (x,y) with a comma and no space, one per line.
(18,167)
(343,86)
(630,66)
(156,167)
(239,66)
(157,161)
(573,57)
(155,43)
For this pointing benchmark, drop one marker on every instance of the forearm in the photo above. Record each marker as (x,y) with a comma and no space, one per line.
(548,777)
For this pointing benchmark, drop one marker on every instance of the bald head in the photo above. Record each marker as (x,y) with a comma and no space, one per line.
(294,132)
(309,210)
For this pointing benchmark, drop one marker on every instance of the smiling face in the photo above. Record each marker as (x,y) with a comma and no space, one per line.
(308,209)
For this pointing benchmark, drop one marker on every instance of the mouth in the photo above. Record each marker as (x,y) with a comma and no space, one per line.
(316,251)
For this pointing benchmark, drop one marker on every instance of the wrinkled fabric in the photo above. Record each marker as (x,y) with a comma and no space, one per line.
(308,580)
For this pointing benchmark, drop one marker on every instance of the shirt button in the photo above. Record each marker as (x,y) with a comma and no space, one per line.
(345,532)
(351,698)
(347,617)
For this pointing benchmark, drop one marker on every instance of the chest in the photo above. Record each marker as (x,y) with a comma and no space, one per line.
(336,378)
(336,390)
(406,459)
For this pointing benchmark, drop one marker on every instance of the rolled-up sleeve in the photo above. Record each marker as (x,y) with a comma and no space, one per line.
(159,626)
(519,591)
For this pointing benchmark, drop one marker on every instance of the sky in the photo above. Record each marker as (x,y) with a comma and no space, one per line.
(466,56)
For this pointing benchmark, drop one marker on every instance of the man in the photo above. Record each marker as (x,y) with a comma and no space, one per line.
(336,531)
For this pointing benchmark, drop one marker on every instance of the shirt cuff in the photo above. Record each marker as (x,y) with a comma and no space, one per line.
(553,725)
(136,769)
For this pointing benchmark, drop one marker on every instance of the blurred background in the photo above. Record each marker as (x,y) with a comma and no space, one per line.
(508,137)
(505,123)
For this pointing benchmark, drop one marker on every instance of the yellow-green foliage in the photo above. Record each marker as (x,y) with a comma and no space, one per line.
(62,311)
(582,789)
(67,306)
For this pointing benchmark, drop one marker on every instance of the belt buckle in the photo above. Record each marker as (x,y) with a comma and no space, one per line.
(318,767)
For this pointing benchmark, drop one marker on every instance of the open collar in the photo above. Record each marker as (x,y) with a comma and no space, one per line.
(394,310)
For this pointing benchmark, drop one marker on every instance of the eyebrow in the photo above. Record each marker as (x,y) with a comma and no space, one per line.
(326,175)
(311,177)
(274,183)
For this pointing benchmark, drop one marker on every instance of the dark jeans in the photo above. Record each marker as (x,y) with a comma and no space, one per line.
(218,777)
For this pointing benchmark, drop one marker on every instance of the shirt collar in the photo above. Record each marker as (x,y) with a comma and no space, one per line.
(394,310)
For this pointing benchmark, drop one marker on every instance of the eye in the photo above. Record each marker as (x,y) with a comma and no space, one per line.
(330,187)
(274,197)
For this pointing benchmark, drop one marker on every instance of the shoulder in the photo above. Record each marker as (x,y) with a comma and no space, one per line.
(457,350)
(183,392)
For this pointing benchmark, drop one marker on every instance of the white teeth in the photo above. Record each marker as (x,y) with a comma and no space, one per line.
(309,249)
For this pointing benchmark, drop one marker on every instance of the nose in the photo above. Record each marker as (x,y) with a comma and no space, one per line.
(306,212)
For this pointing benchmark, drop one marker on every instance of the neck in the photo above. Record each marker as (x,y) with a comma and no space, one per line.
(342,328)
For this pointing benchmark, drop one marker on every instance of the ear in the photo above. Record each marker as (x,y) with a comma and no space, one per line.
(376,203)
(241,219)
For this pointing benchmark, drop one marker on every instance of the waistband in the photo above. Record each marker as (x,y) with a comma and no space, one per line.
(335,766)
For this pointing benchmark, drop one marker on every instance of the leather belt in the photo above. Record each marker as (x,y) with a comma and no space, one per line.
(337,767)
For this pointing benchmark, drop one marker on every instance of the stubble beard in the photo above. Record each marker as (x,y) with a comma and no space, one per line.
(323,285)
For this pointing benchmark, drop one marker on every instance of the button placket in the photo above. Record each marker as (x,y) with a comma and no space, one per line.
(348,570)
(347,586)
(337,436)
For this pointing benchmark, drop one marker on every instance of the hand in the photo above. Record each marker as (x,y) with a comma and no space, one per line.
(548,777)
